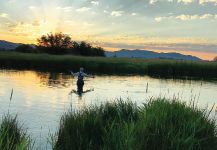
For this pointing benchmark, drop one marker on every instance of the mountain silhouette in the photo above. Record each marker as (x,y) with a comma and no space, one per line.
(124,53)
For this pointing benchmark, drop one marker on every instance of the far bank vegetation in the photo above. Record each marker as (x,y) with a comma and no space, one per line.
(60,44)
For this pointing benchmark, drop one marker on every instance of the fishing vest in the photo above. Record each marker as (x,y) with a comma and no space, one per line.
(80,76)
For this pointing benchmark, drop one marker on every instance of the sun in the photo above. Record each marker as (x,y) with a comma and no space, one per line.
(43,19)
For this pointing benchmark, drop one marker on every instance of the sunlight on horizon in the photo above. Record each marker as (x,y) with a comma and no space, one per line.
(115,25)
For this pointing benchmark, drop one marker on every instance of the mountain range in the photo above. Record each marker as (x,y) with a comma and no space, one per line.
(5,45)
(150,55)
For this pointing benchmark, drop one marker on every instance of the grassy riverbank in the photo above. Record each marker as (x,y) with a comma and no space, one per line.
(122,66)
(160,124)
(12,136)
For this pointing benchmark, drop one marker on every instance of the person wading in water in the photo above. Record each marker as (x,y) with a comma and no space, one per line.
(80,81)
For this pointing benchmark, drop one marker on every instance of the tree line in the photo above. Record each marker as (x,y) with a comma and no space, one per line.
(60,44)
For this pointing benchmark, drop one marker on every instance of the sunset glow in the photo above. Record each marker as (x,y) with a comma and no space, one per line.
(187,27)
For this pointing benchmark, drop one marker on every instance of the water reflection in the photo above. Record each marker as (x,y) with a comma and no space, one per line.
(54,79)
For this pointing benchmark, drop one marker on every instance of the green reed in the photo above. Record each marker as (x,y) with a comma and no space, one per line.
(160,124)
(12,136)
(101,65)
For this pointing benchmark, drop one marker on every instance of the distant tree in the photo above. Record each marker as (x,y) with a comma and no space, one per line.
(25,48)
(57,43)
(215,59)
(86,49)
(98,51)
(60,43)
(75,48)
(75,45)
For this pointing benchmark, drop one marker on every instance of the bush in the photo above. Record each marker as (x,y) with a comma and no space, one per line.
(85,49)
(25,48)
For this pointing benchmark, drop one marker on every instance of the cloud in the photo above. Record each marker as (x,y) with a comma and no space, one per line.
(207,1)
(66,9)
(152,2)
(185,17)
(32,7)
(105,11)
(185,1)
(194,17)
(4,15)
(134,14)
(206,16)
(12,1)
(209,48)
(117,13)
(83,9)
(87,24)
(36,23)
(95,3)
(159,19)
(93,13)
(201,2)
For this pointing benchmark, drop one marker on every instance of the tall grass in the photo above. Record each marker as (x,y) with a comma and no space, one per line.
(152,67)
(174,125)
(87,129)
(12,136)
(160,124)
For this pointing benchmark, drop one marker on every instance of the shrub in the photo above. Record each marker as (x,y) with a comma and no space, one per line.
(25,48)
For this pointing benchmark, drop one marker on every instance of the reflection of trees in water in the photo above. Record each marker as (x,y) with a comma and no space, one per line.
(54,79)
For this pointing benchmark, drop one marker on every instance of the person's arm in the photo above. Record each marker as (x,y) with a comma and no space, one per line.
(74,74)
(86,75)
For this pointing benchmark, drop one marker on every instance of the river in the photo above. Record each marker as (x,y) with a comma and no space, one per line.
(39,99)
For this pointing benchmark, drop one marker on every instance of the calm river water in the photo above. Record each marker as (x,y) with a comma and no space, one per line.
(40,99)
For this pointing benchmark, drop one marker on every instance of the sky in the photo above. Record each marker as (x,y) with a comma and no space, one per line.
(183,26)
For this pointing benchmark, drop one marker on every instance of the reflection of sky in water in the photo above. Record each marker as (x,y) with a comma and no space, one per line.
(41,98)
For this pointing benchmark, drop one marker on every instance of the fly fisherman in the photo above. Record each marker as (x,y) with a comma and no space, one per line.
(80,81)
